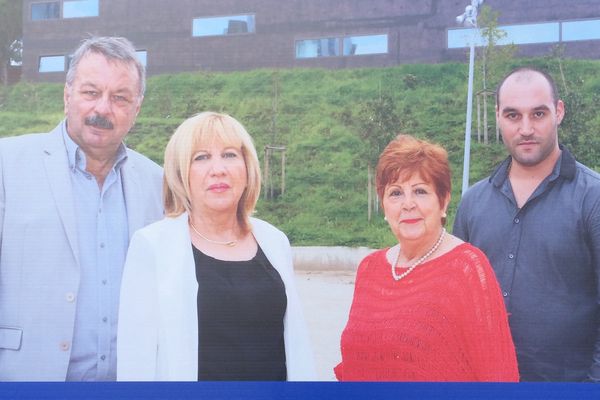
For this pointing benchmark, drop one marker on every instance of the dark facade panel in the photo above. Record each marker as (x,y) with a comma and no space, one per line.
(416,31)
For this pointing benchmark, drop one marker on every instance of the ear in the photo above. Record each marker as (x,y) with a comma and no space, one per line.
(139,105)
(447,202)
(560,111)
(66,97)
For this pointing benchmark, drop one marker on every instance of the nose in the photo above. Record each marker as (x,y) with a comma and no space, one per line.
(526,128)
(408,202)
(217,166)
(103,105)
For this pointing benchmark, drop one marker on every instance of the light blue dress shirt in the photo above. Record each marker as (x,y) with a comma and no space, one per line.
(103,238)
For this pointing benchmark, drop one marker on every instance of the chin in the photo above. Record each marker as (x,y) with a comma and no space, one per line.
(410,236)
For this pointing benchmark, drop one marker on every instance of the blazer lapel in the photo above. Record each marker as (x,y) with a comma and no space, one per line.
(273,253)
(133,192)
(56,164)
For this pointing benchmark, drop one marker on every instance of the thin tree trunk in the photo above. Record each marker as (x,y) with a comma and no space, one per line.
(266,173)
(562,76)
(283,173)
(478,119)
(485,119)
(369,192)
(484,91)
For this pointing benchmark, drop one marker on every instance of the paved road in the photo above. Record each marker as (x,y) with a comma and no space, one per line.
(326,297)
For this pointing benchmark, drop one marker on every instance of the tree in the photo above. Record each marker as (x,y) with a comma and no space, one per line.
(378,123)
(557,54)
(492,58)
(11,25)
(577,131)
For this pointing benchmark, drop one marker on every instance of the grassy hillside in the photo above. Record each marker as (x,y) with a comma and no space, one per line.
(318,115)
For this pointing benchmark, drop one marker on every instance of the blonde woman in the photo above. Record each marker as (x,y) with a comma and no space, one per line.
(208,293)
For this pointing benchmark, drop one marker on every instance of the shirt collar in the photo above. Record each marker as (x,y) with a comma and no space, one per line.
(565,167)
(76,156)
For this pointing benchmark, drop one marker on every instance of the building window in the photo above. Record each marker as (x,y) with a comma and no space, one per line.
(142,56)
(80,8)
(581,30)
(361,45)
(347,46)
(515,34)
(313,48)
(52,64)
(459,38)
(228,25)
(48,10)
(530,34)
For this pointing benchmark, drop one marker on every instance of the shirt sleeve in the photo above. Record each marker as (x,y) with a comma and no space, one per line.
(356,297)
(486,329)
(2,196)
(593,229)
(460,227)
(301,367)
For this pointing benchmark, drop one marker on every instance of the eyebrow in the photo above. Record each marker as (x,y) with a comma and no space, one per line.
(83,84)
(413,185)
(120,90)
(542,107)
(207,150)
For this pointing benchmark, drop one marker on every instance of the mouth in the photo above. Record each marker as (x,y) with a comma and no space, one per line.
(527,143)
(218,187)
(410,221)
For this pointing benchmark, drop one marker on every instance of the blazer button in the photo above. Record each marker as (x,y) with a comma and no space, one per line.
(64,346)
(70,297)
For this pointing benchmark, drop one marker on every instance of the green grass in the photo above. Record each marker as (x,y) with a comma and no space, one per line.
(316,114)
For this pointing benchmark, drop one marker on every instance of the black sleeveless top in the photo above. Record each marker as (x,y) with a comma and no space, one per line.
(241,305)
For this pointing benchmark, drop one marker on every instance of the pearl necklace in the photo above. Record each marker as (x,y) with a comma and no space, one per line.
(229,243)
(419,261)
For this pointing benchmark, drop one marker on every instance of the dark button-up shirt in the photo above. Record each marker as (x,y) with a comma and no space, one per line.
(546,256)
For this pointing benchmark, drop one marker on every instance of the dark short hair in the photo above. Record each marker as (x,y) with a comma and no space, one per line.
(406,156)
(549,79)
(113,48)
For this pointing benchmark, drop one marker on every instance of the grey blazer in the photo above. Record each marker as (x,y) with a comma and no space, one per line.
(39,256)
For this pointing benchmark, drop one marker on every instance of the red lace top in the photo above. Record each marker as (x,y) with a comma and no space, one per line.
(445,321)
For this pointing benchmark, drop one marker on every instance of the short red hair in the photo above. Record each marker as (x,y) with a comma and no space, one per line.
(406,156)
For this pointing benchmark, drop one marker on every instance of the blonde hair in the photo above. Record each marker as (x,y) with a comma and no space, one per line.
(198,131)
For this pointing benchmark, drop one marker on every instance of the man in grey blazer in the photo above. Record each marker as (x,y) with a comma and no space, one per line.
(70,200)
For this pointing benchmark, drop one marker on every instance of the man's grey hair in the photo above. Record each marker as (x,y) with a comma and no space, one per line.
(114,49)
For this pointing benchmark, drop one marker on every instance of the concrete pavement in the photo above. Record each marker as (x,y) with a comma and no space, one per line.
(326,297)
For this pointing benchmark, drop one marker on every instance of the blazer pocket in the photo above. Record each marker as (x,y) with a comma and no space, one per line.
(10,338)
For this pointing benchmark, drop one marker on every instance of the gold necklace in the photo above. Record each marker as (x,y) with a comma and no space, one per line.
(419,261)
(229,243)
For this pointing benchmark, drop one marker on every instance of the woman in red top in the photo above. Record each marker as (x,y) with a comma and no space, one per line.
(428,308)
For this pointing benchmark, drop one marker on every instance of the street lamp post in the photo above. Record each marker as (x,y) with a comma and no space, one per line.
(469,19)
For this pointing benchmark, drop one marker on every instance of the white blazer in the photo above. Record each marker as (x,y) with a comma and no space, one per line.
(158,318)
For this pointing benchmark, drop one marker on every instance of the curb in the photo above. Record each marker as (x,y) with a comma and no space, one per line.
(328,258)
